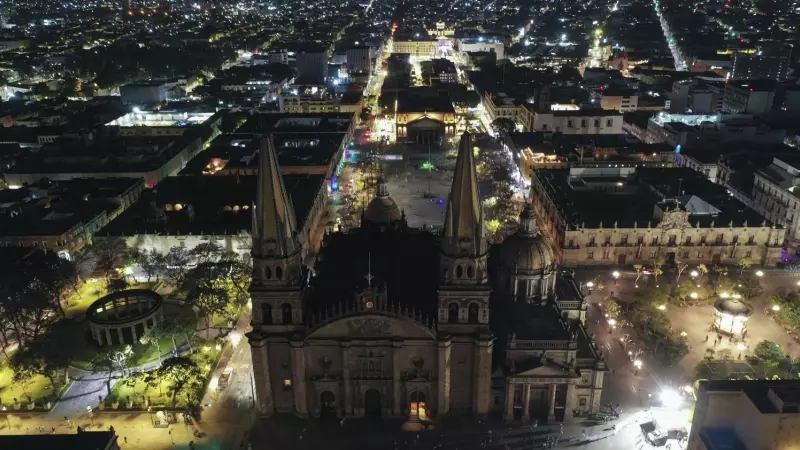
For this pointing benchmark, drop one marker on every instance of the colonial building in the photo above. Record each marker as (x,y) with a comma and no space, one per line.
(602,216)
(395,321)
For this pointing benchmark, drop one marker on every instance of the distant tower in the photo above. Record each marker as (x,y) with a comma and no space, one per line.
(276,288)
(464,290)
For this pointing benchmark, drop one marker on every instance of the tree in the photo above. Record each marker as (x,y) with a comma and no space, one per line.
(206,252)
(184,377)
(680,266)
(638,268)
(744,263)
(176,265)
(42,357)
(703,269)
(209,301)
(151,262)
(153,337)
(503,125)
(121,358)
(657,270)
(768,351)
(750,287)
(111,253)
(610,306)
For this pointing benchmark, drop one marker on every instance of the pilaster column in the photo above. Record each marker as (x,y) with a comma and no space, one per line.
(570,403)
(396,347)
(509,415)
(119,333)
(299,379)
(443,378)
(261,376)
(526,404)
(133,333)
(348,395)
(551,410)
(482,375)
(108,336)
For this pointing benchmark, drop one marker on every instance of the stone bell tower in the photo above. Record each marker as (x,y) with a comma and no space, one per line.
(276,287)
(464,292)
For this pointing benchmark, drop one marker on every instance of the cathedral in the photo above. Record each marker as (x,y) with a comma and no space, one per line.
(394,321)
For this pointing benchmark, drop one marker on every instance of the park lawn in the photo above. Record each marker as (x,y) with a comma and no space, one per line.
(37,389)
(135,388)
(87,352)
(91,290)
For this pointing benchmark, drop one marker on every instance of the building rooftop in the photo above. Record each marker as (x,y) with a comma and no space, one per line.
(83,440)
(592,199)
(392,258)
(207,205)
(297,123)
(769,396)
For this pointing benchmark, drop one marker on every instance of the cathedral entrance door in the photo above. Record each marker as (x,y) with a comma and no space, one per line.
(327,404)
(372,403)
(417,407)
(539,404)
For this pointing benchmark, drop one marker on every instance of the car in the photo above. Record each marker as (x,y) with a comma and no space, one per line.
(225,378)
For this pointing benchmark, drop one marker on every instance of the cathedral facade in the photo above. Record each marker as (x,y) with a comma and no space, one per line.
(394,321)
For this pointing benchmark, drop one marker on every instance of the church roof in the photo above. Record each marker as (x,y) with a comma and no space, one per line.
(405,262)
(274,227)
(463,223)
(382,209)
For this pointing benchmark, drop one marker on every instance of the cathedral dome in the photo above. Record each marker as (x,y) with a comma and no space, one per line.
(382,209)
(527,251)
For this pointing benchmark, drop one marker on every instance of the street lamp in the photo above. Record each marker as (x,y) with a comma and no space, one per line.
(693,295)
(615,274)
(776,308)
(798,283)
(637,363)
(613,324)
(759,273)
(662,307)
(694,273)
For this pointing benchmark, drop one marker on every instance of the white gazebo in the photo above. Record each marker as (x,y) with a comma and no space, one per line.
(731,314)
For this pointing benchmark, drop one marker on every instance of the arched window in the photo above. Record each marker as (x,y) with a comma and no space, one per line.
(279,272)
(452,313)
(470,272)
(266,314)
(473,313)
(286,313)
(267,273)
(459,271)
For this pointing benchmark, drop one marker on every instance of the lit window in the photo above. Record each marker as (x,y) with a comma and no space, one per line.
(287,383)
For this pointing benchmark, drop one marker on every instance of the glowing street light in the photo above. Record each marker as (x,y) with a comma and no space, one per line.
(776,308)
(741,346)
(798,283)
(615,274)
(612,322)
(637,363)
(694,273)
(671,399)
(693,295)
(759,273)
(662,307)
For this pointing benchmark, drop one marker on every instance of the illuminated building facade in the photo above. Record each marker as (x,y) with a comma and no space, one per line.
(403,328)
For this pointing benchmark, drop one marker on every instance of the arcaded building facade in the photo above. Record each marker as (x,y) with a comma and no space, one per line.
(394,321)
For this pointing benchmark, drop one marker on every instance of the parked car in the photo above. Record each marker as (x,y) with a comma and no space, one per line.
(225,378)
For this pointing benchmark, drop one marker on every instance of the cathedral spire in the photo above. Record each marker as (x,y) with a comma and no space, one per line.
(274,228)
(463,223)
